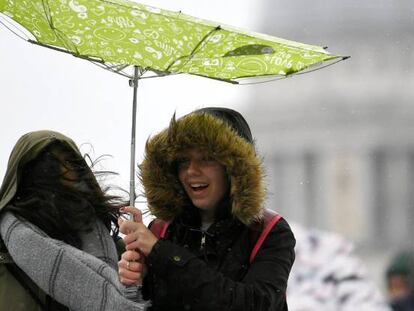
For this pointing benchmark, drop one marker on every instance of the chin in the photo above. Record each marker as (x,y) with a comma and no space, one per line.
(202,206)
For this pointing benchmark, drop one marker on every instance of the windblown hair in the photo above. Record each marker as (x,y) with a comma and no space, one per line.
(60,205)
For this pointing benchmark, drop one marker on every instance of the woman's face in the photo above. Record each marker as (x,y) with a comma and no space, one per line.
(70,168)
(68,171)
(204,180)
(57,166)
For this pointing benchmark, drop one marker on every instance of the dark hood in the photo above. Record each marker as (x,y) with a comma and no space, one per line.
(165,195)
(27,148)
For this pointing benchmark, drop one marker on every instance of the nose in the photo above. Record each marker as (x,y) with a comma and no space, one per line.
(193,168)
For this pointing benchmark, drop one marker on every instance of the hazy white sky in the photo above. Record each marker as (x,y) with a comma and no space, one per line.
(45,89)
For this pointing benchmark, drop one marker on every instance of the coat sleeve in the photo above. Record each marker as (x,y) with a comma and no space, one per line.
(74,278)
(263,287)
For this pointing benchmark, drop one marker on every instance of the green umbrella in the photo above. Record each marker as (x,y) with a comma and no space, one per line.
(116,34)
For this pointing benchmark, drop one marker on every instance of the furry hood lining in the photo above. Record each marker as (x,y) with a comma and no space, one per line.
(165,195)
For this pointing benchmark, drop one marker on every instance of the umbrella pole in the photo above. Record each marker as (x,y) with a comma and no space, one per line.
(133,292)
(134,83)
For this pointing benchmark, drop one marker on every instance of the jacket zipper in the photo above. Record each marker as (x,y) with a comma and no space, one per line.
(203,240)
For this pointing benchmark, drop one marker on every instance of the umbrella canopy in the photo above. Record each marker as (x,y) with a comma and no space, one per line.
(118,33)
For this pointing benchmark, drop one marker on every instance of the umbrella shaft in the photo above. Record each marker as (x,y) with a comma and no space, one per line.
(133,130)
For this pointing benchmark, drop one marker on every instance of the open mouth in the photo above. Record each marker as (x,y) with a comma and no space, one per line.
(198,187)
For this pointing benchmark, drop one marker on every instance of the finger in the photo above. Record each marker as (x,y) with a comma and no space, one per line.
(130,255)
(132,266)
(120,221)
(130,238)
(127,226)
(133,246)
(130,281)
(130,275)
(136,213)
(126,281)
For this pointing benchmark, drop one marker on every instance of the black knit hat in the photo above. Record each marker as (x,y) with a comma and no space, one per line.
(233,118)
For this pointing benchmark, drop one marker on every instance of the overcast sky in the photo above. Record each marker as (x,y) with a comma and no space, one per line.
(45,89)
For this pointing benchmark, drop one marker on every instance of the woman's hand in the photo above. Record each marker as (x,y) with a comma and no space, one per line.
(131,268)
(137,235)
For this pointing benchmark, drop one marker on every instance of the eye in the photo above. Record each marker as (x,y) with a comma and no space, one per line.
(207,160)
(183,163)
(73,164)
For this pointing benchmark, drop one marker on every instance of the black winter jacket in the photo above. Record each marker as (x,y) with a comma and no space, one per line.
(186,275)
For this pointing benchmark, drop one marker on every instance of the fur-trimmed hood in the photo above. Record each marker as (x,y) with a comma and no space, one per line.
(165,195)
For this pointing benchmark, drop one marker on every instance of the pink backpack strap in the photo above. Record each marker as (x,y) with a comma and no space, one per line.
(270,219)
(159,227)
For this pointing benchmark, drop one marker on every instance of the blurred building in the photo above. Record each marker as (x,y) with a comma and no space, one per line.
(338,143)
